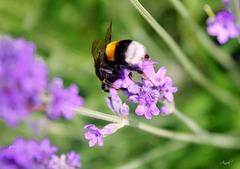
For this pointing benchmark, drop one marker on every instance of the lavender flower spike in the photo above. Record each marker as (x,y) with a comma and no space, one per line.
(23,77)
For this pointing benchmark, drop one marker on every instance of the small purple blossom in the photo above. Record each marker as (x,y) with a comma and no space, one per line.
(167,91)
(63,100)
(94,135)
(22,78)
(27,154)
(147,106)
(223,26)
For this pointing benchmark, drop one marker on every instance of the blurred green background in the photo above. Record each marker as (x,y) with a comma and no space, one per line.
(63,32)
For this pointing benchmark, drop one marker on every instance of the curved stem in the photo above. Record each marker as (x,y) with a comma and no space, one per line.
(163,132)
(222,95)
(191,124)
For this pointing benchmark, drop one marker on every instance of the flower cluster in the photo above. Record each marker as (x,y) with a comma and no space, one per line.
(154,88)
(24,85)
(223,25)
(29,154)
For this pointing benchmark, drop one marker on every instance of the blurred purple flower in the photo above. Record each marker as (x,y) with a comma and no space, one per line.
(73,159)
(65,162)
(223,26)
(22,79)
(26,154)
(94,135)
(63,100)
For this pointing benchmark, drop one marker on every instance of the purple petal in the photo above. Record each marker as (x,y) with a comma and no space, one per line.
(100,141)
(124,110)
(148,114)
(155,110)
(140,110)
(92,142)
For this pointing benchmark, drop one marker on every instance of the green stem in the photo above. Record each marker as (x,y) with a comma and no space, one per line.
(191,124)
(163,132)
(222,95)
(98,115)
(216,140)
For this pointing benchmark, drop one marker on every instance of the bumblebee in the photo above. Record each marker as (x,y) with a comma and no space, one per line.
(111,58)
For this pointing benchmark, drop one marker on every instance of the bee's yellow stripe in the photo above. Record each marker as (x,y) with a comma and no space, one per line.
(110,50)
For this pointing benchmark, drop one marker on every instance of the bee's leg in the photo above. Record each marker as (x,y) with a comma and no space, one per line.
(139,71)
(130,75)
(104,88)
(105,81)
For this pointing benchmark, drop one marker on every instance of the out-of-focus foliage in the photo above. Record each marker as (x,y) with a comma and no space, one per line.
(63,32)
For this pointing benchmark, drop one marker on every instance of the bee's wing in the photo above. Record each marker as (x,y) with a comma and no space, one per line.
(108,35)
(99,47)
(96,49)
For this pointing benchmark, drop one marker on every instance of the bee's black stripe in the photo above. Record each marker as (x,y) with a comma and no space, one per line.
(120,50)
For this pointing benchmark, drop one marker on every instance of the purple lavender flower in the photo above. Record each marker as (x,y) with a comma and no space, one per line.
(45,150)
(63,100)
(22,79)
(147,106)
(223,26)
(167,91)
(27,154)
(65,162)
(94,135)
(73,159)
